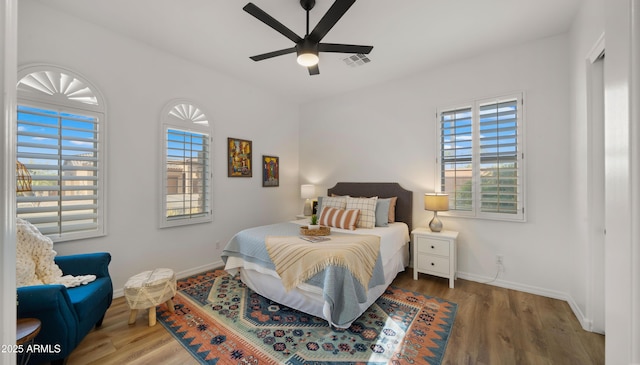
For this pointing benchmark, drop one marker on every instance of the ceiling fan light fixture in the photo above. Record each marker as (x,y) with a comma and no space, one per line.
(307,53)
(308,59)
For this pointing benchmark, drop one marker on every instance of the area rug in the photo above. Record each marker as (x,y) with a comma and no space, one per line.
(221,321)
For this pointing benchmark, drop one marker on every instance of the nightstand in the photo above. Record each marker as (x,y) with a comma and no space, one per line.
(434,253)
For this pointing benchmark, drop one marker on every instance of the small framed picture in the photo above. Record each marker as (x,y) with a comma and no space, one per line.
(270,171)
(239,158)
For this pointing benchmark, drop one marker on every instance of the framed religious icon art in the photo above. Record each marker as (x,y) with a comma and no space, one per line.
(239,158)
(270,171)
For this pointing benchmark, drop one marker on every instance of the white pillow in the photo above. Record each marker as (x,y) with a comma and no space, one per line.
(367,207)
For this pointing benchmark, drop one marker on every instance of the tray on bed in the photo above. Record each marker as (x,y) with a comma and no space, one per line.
(321,231)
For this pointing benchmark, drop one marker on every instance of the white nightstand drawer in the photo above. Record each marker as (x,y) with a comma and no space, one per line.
(434,264)
(432,246)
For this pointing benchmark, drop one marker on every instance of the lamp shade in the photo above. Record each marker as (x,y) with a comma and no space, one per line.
(436,202)
(307,191)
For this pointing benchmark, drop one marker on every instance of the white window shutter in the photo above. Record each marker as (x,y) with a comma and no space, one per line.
(60,140)
(456,157)
(186,173)
(481,158)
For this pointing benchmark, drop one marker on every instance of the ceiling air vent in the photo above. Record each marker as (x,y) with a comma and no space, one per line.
(357,60)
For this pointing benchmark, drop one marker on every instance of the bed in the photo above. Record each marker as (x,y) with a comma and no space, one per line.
(335,293)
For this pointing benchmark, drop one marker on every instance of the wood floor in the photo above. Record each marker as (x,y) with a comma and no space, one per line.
(493,326)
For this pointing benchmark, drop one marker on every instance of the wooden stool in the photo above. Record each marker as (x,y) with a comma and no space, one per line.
(149,289)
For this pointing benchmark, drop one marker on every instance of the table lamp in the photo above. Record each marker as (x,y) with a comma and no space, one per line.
(307,192)
(436,202)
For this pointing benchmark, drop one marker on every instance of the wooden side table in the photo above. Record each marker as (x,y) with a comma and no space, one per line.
(434,253)
(26,331)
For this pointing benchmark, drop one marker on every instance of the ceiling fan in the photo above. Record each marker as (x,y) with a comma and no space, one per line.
(307,48)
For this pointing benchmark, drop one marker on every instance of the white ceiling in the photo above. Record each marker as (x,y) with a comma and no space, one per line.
(408,35)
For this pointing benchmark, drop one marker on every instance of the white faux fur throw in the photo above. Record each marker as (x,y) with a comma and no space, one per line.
(34,260)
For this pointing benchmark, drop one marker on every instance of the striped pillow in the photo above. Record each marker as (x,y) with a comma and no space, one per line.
(339,218)
(367,207)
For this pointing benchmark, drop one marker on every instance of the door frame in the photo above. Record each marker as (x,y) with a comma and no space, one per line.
(595,310)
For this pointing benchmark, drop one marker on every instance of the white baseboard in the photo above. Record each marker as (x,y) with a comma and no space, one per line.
(182,274)
(199,269)
(584,322)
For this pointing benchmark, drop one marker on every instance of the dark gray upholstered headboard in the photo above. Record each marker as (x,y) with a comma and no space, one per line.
(404,204)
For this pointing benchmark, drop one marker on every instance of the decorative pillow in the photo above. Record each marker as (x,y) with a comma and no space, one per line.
(339,218)
(382,212)
(339,202)
(392,209)
(367,208)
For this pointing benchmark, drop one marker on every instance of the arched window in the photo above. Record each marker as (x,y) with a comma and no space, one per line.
(61,142)
(186,165)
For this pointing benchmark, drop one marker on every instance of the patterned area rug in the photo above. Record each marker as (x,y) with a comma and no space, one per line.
(221,321)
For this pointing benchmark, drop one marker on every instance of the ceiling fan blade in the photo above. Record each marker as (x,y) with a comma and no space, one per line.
(314,70)
(281,52)
(335,12)
(270,21)
(344,48)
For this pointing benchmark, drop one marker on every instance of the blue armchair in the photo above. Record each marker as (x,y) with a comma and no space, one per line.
(68,314)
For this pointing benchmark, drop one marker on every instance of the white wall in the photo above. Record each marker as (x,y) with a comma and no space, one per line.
(137,81)
(387,133)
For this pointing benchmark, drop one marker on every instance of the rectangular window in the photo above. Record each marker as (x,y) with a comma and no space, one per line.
(481,158)
(61,152)
(186,178)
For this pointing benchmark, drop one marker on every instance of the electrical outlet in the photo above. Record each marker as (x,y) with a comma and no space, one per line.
(217,245)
